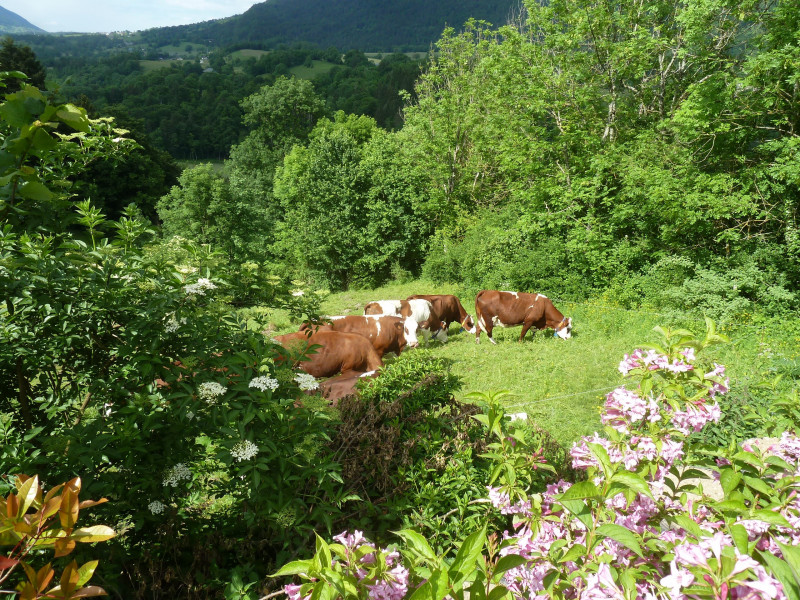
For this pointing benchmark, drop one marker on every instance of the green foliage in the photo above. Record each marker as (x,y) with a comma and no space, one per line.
(348,196)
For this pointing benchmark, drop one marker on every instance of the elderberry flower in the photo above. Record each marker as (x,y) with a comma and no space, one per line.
(199,288)
(244,450)
(264,383)
(306,382)
(210,391)
(177,474)
(156,507)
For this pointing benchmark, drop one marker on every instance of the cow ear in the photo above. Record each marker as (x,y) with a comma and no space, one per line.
(398,325)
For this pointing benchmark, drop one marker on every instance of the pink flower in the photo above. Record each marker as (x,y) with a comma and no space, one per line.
(293,592)
(601,586)
(688,354)
(677,579)
(350,541)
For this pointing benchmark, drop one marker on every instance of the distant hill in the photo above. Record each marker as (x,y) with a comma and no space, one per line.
(12,23)
(376,25)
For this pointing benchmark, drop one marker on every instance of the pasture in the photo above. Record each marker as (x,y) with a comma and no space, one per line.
(561,384)
(319,67)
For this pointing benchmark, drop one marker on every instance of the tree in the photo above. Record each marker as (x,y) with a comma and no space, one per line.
(21,58)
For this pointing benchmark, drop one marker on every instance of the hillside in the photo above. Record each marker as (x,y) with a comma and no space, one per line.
(12,23)
(380,25)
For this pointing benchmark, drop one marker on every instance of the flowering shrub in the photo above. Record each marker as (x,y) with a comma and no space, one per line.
(637,527)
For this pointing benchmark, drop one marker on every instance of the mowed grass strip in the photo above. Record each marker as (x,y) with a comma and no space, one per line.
(560,384)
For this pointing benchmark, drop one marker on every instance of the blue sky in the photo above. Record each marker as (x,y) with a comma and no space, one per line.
(115,15)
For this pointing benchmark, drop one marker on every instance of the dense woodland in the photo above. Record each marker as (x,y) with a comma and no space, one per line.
(630,155)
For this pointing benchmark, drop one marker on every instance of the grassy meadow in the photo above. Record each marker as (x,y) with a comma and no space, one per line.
(561,384)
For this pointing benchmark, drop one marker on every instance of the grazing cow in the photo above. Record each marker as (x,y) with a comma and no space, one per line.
(449,309)
(339,352)
(420,310)
(507,309)
(386,333)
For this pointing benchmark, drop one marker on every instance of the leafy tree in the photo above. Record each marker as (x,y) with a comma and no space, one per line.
(15,57)
(350,205)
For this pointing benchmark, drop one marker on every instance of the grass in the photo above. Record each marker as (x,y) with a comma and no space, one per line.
(562,383)
(319,67)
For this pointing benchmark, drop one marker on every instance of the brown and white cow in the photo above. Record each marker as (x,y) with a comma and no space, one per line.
(449,309)
(507,309)
(342,386)
(386,333)
(420,310)
(338,352)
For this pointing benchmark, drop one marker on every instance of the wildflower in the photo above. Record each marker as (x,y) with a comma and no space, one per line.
(189,415)
(177,474)
(244,450)
(264,383)
(297,293)
(173,324)
(688,354)
(293,592)
(306,382)
(156,507)
(210,391)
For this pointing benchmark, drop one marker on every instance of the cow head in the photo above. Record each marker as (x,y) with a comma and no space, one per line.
(468,324)
(564,329)
(410,328)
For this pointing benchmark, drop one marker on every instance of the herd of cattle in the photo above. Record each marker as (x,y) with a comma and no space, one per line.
(351,347)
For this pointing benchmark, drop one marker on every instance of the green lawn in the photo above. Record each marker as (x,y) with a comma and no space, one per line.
(562,383)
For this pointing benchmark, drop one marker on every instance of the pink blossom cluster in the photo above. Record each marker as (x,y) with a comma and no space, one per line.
(623,408)
(695,416)
(695,561)
(384,584)
(654,361)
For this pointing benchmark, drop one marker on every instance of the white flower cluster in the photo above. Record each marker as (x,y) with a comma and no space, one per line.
(306,382)
(189,415)
(156,507)
(172,325)
(177,474)
(210,391)
(186,269)
(264,383)
(244,450)
(298,293)
(200,287)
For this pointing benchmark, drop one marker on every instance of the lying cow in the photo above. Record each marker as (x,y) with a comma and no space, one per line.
(386,333)
(339,352)
(342,386)
(449,310)
(507,309)
(420,310)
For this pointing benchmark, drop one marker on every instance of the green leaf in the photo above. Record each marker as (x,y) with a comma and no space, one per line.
(784,573)
(740,537)
(497,593)
(580,490)
(632,481)
(771,517)
(33,190)
(418,544)
(296,567)
(622,535)
(758,485)
(435,588)
(729,479)
(582,512)
(74,117)
(507,562)
(467,554)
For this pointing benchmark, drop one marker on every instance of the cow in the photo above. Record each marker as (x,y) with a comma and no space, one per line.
(449,310)
(420,310)
(342,386)
(386,333)
(508,309)
(338,352)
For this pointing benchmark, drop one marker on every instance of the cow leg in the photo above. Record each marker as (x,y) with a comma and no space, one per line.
(525,327)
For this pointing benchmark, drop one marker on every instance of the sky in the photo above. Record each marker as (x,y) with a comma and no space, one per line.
(116,15)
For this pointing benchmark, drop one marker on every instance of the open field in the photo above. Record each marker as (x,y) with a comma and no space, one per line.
(248,53)
(319,67)
(561,384)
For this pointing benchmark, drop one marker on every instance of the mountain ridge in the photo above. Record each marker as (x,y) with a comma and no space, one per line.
(11,22)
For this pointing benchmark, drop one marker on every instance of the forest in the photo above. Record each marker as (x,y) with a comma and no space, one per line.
(635,162)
